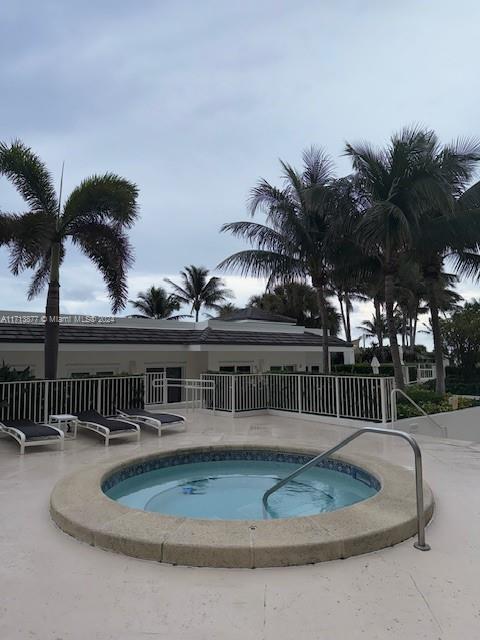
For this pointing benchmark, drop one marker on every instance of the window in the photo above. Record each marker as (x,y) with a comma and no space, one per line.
(337,357)
(244,368)
(286,368)
(232,368)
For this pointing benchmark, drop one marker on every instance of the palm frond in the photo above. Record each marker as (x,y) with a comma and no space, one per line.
(260,235)
(31,235)
(103,198)
(318,167)
(262,263)
(24,169)
(467,264)
(109,249)
(6,227)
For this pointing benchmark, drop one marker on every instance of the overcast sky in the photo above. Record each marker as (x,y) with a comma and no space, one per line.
(194,101)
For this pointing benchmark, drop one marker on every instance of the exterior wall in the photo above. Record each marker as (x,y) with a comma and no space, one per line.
(22,359)
(111,358)
(258,360)
(115,361)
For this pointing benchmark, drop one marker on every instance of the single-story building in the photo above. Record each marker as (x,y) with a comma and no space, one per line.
(248,341)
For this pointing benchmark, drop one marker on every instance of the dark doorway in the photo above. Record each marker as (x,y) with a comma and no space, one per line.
(174,394)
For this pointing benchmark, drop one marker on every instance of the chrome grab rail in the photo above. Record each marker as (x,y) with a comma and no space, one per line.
(420,544)
(393,403)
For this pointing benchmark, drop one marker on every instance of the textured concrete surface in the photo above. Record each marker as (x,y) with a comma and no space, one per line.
(80,508)
(54,587)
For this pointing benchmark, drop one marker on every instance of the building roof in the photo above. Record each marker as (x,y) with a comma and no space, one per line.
(257,314)
(93,334)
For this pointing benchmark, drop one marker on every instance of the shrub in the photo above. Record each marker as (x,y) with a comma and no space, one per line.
(8,374)
(429,401)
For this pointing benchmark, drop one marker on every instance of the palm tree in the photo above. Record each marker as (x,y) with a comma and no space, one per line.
(156,303)
(224,310)
(400,183)
(375,328)
(198,290)
(451,231)
(94,218)
(296,300)
(303,227)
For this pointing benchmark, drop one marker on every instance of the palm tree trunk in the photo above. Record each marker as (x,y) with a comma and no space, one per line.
(378,315)
(322,307)
(437,339)
(348,306)
(52,313)
(342,313)
(414,331)
(392,331)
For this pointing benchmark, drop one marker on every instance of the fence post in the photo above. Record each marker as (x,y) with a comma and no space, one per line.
(145,397)
(337,395)
(383,399)
(233,395)
(165,389)
(99,395)
(299,392)
(46,401)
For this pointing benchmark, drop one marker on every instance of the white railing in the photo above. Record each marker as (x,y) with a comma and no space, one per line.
(418,373)
(357,397)
(37,399)
(195,392)
(155,387)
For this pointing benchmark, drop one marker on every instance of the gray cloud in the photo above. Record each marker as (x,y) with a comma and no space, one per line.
(194,101)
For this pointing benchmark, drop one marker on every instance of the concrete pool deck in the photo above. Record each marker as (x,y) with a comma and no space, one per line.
(56,588)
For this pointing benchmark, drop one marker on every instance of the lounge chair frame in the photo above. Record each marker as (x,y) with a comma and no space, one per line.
(132,430)
(19,436)
(150,421)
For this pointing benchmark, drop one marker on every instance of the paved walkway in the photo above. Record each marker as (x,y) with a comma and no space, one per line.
(55,588)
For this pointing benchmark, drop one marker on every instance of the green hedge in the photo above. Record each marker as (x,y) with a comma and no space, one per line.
(361,369)
(461,388)
(429,401)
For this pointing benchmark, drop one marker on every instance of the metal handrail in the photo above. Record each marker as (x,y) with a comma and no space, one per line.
(393,403)
(420,544)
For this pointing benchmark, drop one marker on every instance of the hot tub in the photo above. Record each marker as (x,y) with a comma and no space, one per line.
(202,506)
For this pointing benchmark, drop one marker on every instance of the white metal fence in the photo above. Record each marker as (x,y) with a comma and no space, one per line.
(37,399)
(358,397)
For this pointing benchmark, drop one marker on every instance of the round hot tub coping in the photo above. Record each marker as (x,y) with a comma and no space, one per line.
(80,508)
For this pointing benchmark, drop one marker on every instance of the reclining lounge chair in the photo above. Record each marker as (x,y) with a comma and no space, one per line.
(32,434)
(108,427)
(154,419)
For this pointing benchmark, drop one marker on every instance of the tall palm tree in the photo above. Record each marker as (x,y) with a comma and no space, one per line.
(156,303)
(400,184)
(451,231)
(302,229)
(198,290)
(94,217)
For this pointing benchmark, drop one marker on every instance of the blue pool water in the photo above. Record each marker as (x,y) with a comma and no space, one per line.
(233,490)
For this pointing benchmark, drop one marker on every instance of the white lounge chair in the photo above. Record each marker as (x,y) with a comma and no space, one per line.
(154,419)
(32,434)
(109,428)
